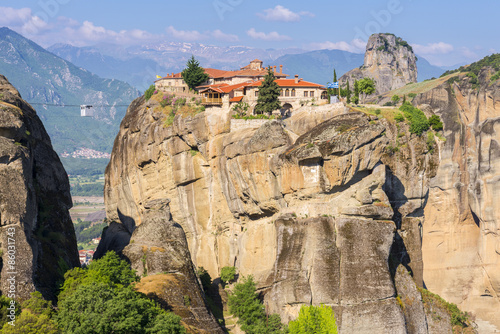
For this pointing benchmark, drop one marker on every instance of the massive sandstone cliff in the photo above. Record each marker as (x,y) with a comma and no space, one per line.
(389,61)
(37,237)
(315,207)
(461,234)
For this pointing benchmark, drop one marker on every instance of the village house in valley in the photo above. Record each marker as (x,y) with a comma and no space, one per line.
(225,88)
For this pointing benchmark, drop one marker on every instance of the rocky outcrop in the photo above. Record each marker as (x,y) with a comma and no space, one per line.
(389,61)
(158,251)
(461,233)
(37,240)
(324,215)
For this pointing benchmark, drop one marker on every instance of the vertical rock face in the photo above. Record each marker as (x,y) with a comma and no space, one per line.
(461,243)
(158,248)
(34,200)
(321,216)
(389,61)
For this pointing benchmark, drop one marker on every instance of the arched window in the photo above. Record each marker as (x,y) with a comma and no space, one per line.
(287,92)
(281,92)
(293,92)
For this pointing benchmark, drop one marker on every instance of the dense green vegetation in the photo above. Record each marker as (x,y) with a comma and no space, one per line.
(100,299)
(95,189)
(417,119)
(84,167)
(314,320)
(269,93)
(85,234)
(36,317)
(245,304)
(474,68)
(227,274)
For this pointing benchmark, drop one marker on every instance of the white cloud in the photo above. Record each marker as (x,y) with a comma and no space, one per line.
(217,34)
(66,30)
(272,36)
(433,48)
(185,35)
(356,46)
(282,14)
(468,53)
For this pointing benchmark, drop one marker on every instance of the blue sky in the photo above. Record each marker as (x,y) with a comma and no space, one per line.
(443,32)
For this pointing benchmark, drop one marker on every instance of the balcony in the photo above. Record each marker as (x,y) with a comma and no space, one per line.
(211,101)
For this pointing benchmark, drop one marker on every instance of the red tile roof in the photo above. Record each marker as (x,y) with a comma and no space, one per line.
(236,99)
(224,87)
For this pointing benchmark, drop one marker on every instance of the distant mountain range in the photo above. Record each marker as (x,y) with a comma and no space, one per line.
(63,75)
(140,64)
(55,87)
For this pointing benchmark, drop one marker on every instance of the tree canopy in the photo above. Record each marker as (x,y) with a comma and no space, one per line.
(269,93)
(314,320)
(245,304)
(194,75)
(100,299)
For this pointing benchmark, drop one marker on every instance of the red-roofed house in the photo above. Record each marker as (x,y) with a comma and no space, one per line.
(225,88)
(254,71)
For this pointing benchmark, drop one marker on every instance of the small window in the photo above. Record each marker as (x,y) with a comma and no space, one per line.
(256,93)
(281,92)
(311,94)
(305,93)
(287,92)
(293,92)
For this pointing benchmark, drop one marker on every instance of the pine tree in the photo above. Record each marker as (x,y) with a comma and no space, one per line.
(269,93)
(194,75)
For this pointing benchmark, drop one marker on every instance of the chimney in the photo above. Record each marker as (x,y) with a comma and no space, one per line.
(274,68)
(296,78)
(281,69)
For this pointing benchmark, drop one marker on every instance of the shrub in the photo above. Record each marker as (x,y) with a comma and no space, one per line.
(399,117)
(227,274)
(395,99)
(314,320)
(435,122)
(412,95)
(149,92)
(388,104)
(378,112)
(430,141)
(416,117)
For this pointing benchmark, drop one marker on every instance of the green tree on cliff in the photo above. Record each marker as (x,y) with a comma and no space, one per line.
(269,93)
(355,98)
(314,320)
(335,90)
(194,75)
(366,86)
(348,93)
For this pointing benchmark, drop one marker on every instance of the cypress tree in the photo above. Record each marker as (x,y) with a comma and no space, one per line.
(269,93)
(355,98)
(348,92)
(335,90)
(194,75)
